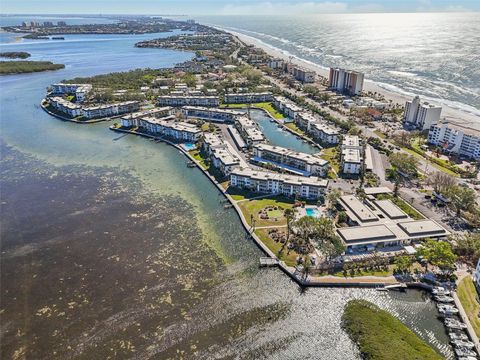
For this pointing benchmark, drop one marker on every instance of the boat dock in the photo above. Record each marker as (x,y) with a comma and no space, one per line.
(268,262)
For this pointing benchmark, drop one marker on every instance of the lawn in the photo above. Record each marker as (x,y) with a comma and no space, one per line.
(288,256)
(294,127)
(467,293)
(265,105)
(381,273)
(240,194)
(196,155)
(381,336)
(253,207)
(437,166)
(330,154)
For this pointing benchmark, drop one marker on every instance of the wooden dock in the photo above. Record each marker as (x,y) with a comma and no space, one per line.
(268,262)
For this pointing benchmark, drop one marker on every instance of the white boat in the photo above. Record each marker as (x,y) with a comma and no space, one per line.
(454,324)
(458,336)
(444,299)
(465,352)
(440,291)
(467,358)
(464,344)
(447,309)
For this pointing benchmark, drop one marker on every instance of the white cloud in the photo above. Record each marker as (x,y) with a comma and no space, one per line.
(270,8)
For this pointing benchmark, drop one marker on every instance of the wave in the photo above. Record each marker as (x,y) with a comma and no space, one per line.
(457,105)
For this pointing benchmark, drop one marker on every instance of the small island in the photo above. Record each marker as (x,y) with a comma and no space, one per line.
(21,67)
(381,336)
(15,54)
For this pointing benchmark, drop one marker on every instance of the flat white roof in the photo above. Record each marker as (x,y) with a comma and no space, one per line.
(367,234)
(307,158)
(390,209)
(361,211)
(286,178)
(377,190)
(422,228)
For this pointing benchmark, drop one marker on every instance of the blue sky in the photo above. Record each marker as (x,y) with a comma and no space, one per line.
(228,7)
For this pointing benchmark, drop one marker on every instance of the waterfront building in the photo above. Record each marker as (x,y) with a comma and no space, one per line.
(221,153)
(286,107)
(79,90)
(346,81)
(168,127)
(351,155)
(294,162)
(64,106)
(132,119)
(281,184)
(276,64)
(421,115)
(380,223)
(324,133)
(455,139)
(187,100)
(107,110)
(211,114)
(248,98)
(249,130)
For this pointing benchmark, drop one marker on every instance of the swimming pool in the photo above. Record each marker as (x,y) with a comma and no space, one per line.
(313,212)
(189,146)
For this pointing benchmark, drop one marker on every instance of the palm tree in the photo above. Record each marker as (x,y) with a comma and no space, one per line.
(289,215)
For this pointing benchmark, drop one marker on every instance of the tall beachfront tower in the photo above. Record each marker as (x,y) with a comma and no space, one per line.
(421,115)
(347,81)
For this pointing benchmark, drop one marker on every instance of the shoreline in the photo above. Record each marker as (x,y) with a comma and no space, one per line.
(449,112)
(321,281)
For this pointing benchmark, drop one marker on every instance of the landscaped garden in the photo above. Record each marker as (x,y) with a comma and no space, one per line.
(259,210)
(274,239)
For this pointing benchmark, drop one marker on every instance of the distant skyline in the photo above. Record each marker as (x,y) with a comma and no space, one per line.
(232,7)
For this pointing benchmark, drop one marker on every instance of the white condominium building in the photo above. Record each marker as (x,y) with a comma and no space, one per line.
(133,118)
(456,139)
(351,155)
(249,130)
(65,106)
(80,90)
(185,100)
(350,82)
(292,161)
(107,110)
(221,153)
(211,114)
(286,107)
(275,183)
(248,98)
(166,126)
(421,115)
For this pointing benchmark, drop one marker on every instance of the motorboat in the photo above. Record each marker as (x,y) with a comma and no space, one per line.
(447,309)
(465,352)
(440,291)
(454,324)
(463,344)
(444,299)
(458,336)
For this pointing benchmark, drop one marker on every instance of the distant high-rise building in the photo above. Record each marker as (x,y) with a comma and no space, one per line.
(347,81)
(24,24)
(61,23)
(421,115)
(456,139)
(47,24)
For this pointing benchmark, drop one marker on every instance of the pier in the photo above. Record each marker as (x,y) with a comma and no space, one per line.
(269,262)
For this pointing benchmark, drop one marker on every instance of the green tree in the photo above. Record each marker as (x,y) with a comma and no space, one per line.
(438,253)
(333,198)
(462,199)
(468,247)
(406,164)
(289,215)
(403,263)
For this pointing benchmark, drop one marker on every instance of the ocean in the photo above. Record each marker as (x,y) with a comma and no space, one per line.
(434,55)
(113,248)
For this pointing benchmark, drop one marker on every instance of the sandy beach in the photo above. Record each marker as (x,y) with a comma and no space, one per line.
(452,114)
